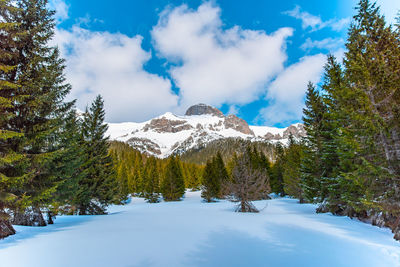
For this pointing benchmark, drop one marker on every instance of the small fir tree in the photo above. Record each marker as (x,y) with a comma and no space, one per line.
(172,184)
(211,184)
(151,181)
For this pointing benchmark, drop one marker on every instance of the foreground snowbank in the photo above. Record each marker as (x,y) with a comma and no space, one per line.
(192,233)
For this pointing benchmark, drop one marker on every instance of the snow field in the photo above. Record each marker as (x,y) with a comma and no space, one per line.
(194,233)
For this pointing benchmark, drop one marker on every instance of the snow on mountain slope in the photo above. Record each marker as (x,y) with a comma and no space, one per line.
(263,130)
(170,133)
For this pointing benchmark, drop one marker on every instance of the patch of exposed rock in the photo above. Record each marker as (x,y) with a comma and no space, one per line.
(144,145)
(238,124)
(164,125)
(295,130)
(201,109)
(270,136)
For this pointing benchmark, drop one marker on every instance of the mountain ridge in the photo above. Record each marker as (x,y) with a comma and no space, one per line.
(174,134)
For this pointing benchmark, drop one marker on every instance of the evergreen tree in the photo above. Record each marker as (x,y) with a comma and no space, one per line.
(211,184)
(221,174)
(38,110)
(12,159)
(215,178)
(136,176)
(172,184)
(291,173)
(231,164)
(372,63)
(277,171)
(121,171)
(68,166)
(194,177)
(311,164)
(98,188)
(333,126)
(151,181)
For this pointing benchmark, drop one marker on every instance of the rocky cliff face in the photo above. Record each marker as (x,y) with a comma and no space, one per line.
(164,125)
(238,124)
(201,124)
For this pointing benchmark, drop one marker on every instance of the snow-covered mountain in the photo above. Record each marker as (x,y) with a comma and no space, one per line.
(201,124)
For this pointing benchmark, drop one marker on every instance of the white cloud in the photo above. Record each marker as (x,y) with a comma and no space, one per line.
(215,65)
(315,22)
(112,65)
(286,92)
(338,25)
(207,62)
(61,9)
(233,109)
(306,18)
(328,43)
(390,9)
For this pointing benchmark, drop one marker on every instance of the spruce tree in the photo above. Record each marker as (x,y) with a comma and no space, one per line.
(215,178)
(136,175)
(38,110)
(334,126)
(221,174)
(211,185)
(172,184)
(194,177)
(276,178)
(291,173)
(311,164)
(372,64)
(12,159)
(68,166)
(151,181)
(99,187)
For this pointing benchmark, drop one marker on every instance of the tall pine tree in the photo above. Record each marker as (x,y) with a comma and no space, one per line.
(12,159)
(38,110)
(311,164)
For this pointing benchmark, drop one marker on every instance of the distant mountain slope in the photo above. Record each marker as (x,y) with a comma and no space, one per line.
(202,124)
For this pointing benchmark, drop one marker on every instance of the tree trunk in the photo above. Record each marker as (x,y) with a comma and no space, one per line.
(246,206)
(50,216)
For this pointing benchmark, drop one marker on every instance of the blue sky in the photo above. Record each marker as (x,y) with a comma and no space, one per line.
(252,58)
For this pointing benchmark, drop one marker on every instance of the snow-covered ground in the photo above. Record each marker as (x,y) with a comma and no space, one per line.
(193,233)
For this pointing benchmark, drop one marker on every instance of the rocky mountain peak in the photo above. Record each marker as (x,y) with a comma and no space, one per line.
(201,109)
